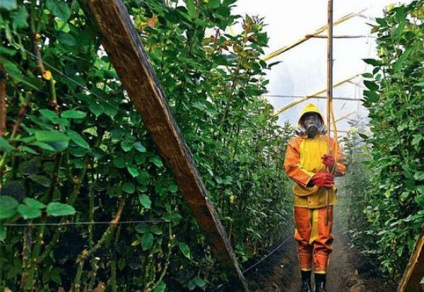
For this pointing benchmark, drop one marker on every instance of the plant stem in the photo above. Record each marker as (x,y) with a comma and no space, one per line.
(3,110)
(29,286)
(103,240)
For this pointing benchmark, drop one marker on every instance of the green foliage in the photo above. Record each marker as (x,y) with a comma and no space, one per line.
(75,151)
(395,100)
(353,186)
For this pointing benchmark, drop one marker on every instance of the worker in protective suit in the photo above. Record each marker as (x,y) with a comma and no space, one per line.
(312,166)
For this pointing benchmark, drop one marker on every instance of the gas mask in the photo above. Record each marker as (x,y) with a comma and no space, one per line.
(312,124)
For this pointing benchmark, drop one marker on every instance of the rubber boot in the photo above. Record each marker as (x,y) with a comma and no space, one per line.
(306,281)
(320,282)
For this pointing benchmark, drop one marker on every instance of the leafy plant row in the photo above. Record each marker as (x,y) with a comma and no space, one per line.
(385,185)
(86,200)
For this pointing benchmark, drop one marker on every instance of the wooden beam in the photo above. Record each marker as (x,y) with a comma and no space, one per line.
(125,50)
(414,271)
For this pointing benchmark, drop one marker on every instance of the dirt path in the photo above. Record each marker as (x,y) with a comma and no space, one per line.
(349,270)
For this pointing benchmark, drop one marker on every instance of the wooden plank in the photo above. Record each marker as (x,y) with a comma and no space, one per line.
(126,52)
(414,271)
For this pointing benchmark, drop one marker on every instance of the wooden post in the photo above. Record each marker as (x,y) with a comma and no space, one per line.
(122,43)
(414,271)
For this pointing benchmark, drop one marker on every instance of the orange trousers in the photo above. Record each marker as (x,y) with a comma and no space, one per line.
(314,238)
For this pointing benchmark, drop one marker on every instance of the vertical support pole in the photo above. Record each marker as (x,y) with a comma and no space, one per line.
(329,67)
(329,92)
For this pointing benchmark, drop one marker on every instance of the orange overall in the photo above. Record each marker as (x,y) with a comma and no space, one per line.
(313,212)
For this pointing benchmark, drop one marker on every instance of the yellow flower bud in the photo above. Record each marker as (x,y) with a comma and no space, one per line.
(47,75)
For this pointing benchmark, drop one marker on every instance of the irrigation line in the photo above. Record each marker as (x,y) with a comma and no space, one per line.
(265,257)
(80,223)
(221,286)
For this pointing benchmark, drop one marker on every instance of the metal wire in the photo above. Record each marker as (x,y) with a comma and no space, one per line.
(265,257)
(82,223)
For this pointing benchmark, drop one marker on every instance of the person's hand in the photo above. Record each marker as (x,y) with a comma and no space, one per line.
(323,179)
(328,160)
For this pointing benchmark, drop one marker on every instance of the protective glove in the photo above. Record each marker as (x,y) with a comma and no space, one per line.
(323,179)
(328,160)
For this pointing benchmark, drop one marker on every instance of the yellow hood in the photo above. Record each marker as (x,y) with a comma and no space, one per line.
(310,108)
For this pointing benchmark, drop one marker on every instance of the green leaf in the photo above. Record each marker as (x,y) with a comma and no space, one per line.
(214,4)
(119,162)
(34,203)
(66,39)
(419,175)
(139,147)
(59,8)
(51,136)
(173,188)
(58,209)
(141,228)
(29,150)
(126,145)
(5,51)
(172,217)
(199,282)
(95,108)
(121,263)
(73,114)
(8,4)
(373,62)
(191,9)
(7,207)
(78,139)
(20,17)
(143,177)
(133,171)
(185,249)
(55,276)
(3,233)
(41,180)
(156,161)
(420,200)
(147,241)
(145,201)
(371,85)
(4,145)
(51,115)
(161,287)
(128,188)
(156,230)
(28,212)
(371,96)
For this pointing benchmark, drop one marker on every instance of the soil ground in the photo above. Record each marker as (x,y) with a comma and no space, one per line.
(348,270)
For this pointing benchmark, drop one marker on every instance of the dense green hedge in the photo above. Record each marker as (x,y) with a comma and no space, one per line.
(74,151)
(393,200)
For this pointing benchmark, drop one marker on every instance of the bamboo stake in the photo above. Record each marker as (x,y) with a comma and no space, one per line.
(329,92)
(314,95)
(308,36)
(344,117)
(338,36)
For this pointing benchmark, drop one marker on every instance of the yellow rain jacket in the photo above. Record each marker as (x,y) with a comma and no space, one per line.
(303,160)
